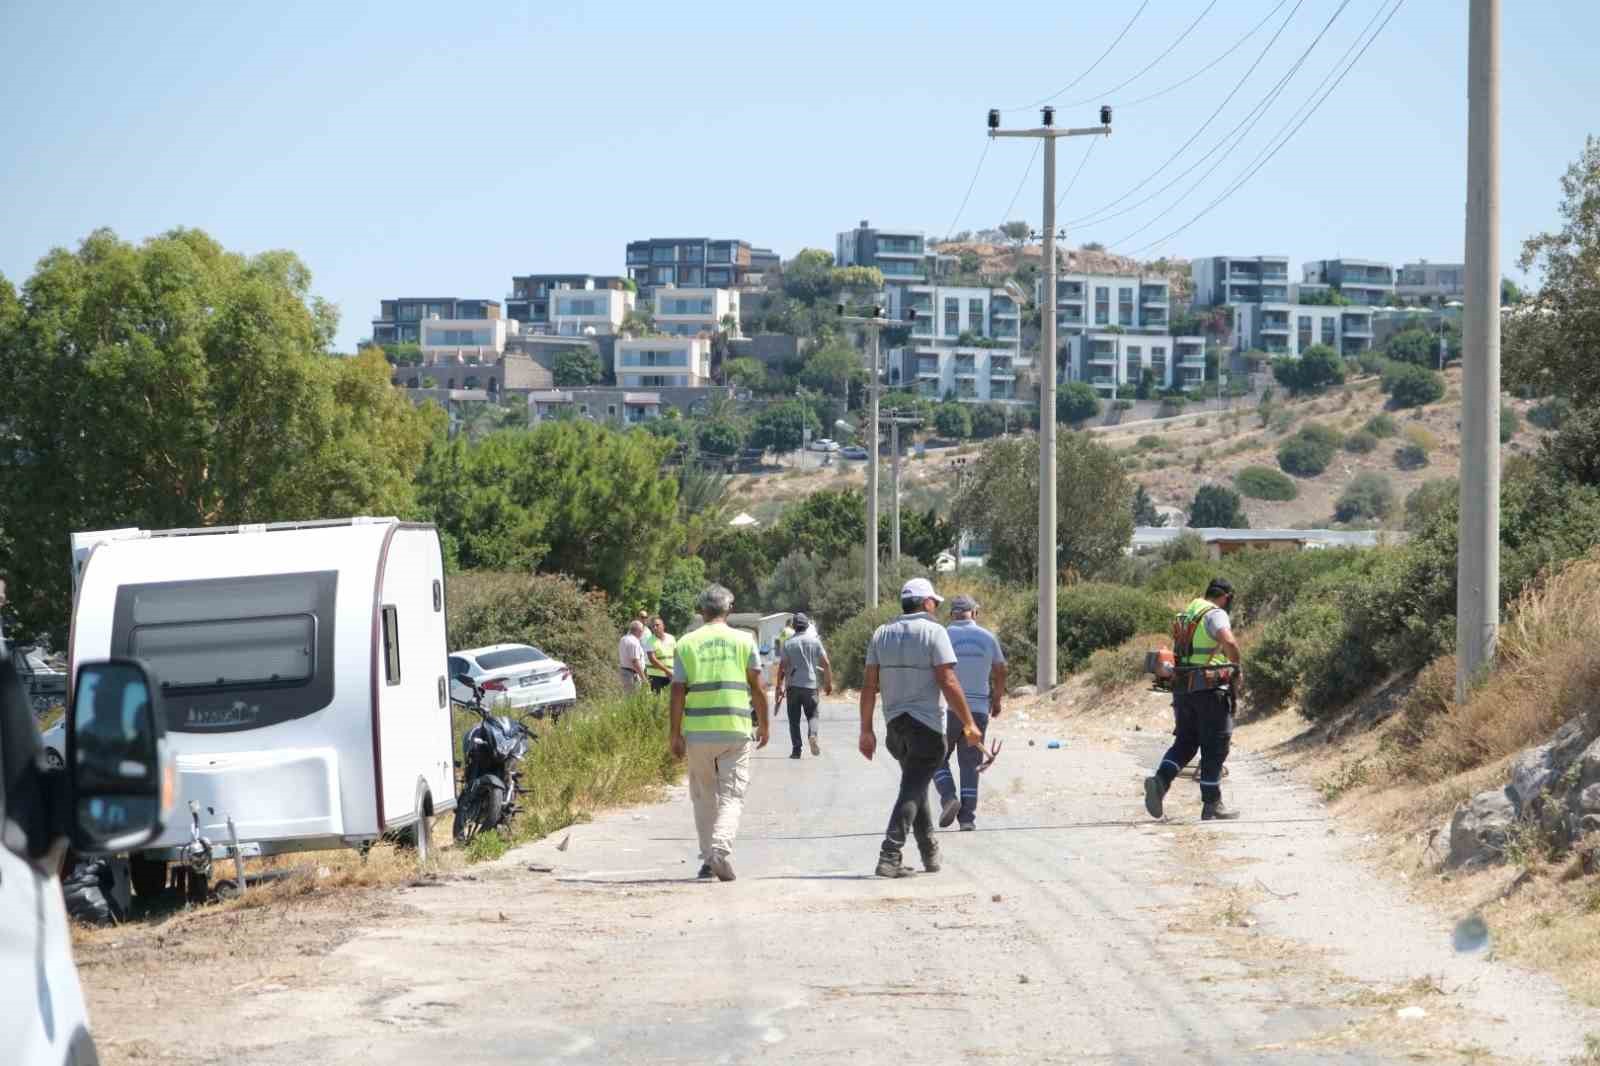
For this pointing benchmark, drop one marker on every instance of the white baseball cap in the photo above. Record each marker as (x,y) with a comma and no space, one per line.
(919,588)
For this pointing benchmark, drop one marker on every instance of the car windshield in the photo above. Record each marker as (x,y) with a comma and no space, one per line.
(499,660)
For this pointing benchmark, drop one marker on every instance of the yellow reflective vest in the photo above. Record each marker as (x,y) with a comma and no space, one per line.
(716,704)
(1204,650)
(664,647)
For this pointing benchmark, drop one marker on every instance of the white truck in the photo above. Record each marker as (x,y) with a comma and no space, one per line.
(303,671)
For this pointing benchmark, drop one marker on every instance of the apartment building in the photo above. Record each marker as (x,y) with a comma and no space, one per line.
(1290,329)
(1436,283)
(902,256)
(400,321)
(690,312)
(662,362)
(619,406)
(529,299)
(695,263)
(1361,281)
(1232,279)
(577,312)
(964,342)
(1114,327)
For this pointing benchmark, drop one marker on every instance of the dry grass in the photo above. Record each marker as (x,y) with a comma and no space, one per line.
(1546,674)
(1112,668)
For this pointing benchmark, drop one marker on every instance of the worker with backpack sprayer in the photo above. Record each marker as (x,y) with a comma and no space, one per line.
(1204,691)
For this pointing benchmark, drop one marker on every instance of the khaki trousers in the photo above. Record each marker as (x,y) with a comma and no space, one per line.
(719,772)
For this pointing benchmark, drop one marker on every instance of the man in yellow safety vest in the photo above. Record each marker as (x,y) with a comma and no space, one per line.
(716,679)
(659,647)
(1202,700)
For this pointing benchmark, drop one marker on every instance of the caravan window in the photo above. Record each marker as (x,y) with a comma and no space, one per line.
(233,653)
(391,645)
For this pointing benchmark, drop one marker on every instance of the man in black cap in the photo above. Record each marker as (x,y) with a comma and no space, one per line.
(802,663)
(1202,699)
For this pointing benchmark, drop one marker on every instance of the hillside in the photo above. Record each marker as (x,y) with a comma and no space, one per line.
(1162,458)
(997,261)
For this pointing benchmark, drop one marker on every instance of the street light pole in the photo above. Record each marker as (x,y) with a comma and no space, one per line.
(1478,566)
(873,324)
(1047,380)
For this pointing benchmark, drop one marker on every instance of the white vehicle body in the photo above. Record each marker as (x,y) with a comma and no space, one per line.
(529,676)
(823,445)
(303,669)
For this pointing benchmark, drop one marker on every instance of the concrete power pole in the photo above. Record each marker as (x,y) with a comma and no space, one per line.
(1478,565)
(873,324)
(896,420)
(1047,381)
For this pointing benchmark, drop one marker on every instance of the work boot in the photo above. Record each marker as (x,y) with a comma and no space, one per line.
(816,749)
(795,754)
(1217,811)
(890,866)
(948,812)
(930,857)
(705,873)
(1155,790)
(721,866)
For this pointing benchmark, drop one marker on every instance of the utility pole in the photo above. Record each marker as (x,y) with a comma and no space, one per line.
(896,420)
(1048,132)
(873,323)
(1478,565)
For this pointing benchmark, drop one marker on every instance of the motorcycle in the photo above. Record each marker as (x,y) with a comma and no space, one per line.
(492,753)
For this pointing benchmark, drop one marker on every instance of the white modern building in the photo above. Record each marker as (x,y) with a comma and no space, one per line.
(663,362)
(1361,281)
(1427,282)
(964,342)
(901,255)
(464,338)
(1115,327)
(574,312)
(1234,279)
(691,312)
(1290,329)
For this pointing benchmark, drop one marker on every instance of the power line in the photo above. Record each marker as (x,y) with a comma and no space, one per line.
(970,186)
(1092,66)
(1249,120)
(1204,125)
(1081,164)
(1100,97)
(1244,178)
(1121,104)
(1020,184)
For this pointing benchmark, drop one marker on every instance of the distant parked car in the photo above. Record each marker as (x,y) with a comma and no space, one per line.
(824,445)
(518,676)
(44,681)
(853,452)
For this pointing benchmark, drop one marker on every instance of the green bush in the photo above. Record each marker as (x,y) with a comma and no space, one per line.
(1092,615)
(1428,500)
(1219,507)
(552,612)
(1304,456)
(1322,433)
(1264,483)
(1382,426)
(1150,443)
(953,421)
(1510,422)
(1368,496)
(1187,579)
(1372,363)
(1360,443)
(1266,583)
(1112,668)
(1411,457)
(1276,662)
(847,645)
(1551,413)
(1409,385)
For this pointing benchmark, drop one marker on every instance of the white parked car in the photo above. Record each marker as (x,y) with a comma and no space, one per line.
(517,676)
(824,445)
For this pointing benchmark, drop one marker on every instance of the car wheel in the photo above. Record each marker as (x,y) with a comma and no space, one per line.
(53,759)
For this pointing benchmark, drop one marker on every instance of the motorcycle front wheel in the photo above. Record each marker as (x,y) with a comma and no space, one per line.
(481,808)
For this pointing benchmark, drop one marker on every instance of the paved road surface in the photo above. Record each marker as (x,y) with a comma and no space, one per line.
(1069,929)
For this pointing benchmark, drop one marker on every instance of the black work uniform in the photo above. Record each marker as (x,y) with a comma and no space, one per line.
(1204,725)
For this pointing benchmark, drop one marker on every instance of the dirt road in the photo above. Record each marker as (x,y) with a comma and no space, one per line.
(1069,929)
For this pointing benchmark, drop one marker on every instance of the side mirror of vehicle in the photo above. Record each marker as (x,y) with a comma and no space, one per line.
(122,782)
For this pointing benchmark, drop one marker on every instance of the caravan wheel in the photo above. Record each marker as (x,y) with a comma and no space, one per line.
(424,831)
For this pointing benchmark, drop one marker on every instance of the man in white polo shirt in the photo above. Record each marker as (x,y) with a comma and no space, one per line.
(911,661)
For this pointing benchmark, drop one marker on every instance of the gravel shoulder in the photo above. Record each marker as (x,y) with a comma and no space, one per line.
(1070,928)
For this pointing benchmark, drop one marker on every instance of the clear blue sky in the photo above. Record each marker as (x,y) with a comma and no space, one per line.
(421,149)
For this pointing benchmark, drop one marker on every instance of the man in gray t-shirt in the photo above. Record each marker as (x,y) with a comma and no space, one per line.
(981,666)
(912,663)
(802,664)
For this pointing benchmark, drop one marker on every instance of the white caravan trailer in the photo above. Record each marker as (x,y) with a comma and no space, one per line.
(303,671)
